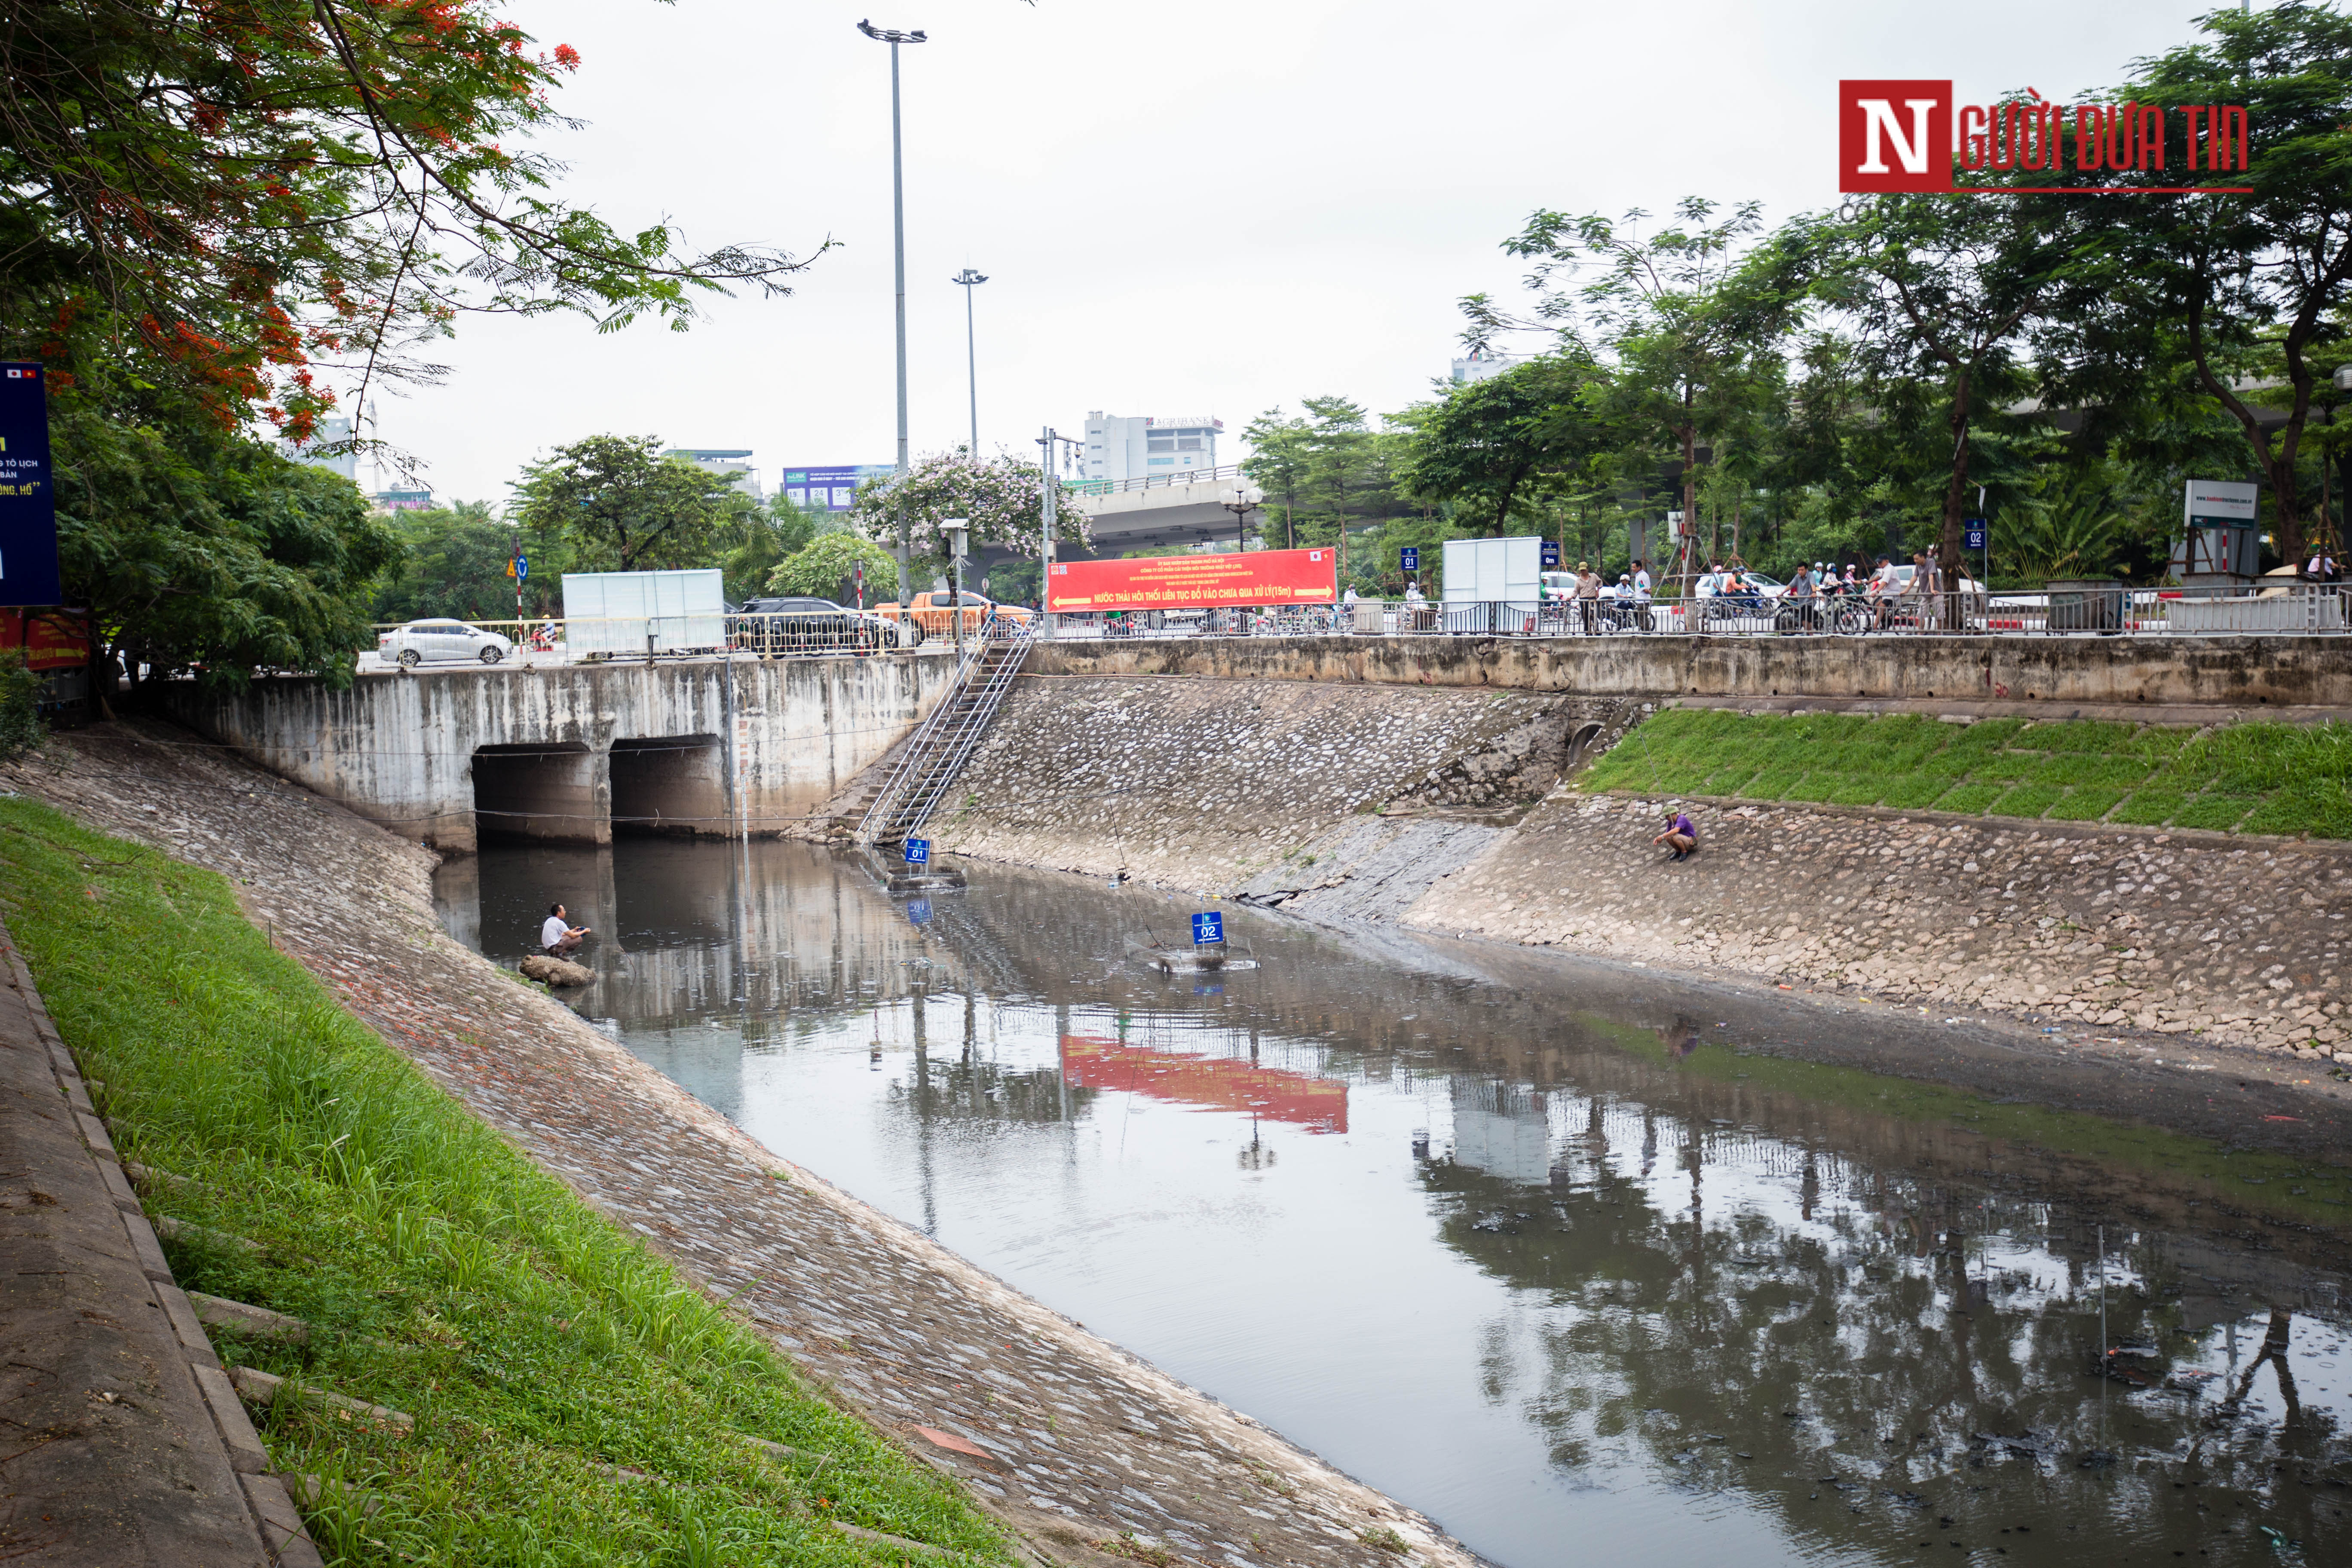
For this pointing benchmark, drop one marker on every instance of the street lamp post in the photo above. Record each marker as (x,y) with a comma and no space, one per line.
(970,279)
(894,38)
(1241,505)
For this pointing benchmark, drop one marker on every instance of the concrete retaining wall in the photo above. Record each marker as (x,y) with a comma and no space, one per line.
(754,754)
(2236,671)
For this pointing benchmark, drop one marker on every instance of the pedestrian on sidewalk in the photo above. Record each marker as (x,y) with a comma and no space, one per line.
(1588,596)
(557,935)
(1681,835)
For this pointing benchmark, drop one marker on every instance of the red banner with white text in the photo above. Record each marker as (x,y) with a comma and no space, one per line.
(1194,582)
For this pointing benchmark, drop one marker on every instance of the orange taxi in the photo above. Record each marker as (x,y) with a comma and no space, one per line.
(935,611)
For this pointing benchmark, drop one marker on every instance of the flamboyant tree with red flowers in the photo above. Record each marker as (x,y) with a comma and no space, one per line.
(223,218)
(260,199)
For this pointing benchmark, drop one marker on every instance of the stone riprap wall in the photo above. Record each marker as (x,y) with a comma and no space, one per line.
(1206,783)
(399,748)
(2244,941)
(1331,800)
(2249,671)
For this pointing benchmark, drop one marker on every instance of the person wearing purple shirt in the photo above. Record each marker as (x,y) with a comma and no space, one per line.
(1680,833)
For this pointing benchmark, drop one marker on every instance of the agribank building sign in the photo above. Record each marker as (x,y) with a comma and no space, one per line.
(1906,137)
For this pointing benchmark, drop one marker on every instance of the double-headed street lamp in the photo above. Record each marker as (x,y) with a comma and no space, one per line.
(894,38)
(1241,505)
(971,279)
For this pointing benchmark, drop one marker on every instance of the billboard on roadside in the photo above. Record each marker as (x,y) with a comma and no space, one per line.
(28,517)
(1194,582)
(831,489)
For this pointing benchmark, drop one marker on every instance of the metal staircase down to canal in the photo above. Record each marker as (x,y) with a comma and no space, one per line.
(939,750)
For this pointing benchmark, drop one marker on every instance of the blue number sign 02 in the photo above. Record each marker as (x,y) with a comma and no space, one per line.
(919,851)
(1972,536)
(1208,927)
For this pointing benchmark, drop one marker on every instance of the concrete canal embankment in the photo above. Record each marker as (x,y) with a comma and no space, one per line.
(1335,783)
(562,752)
(2250,671)
(1068,1439)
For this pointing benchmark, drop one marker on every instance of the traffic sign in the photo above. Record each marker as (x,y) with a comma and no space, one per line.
(919,851)
(1973,535)
(1550,553)
(1208,927)
(522,566)
(1409,558)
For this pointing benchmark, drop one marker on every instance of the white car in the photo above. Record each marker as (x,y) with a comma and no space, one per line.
(420,642)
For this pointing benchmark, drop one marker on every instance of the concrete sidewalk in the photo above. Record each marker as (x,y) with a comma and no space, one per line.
(120,1440)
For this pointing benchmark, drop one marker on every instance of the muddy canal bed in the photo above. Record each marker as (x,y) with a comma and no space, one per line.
(1587,1264)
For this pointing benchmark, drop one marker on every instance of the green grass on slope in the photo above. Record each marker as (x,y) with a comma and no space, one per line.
(2256,778)
(537,1346)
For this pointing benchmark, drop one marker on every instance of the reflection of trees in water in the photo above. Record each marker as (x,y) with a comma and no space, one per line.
(1877,1338)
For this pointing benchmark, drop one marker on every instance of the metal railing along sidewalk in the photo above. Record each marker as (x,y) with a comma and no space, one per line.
(940,747)
(2292,610)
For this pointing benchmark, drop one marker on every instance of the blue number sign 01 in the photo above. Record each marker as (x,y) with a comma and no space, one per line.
(919,851)
(1409,558)
(1208,927)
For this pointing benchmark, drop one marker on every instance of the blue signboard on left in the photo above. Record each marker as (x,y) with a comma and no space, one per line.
(28,513)
(1208,927)
(1550,553)
(919,851)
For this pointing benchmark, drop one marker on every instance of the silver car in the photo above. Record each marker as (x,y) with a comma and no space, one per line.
(420,642)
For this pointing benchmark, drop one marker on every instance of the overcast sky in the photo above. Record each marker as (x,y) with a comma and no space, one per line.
(1203,208)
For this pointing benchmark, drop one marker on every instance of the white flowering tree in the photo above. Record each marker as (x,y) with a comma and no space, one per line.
(999,498)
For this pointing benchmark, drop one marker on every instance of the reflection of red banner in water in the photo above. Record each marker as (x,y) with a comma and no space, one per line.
(1219,1083)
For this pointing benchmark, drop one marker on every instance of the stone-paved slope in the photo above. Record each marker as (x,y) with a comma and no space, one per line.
(2243,942)
(1203,783)
(1069,1438)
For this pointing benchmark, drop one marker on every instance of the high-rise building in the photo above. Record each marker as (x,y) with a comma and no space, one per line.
(1129,448)
(333,431)
(724,460)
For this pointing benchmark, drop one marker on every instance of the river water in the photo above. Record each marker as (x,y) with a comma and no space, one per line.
(1587,1264)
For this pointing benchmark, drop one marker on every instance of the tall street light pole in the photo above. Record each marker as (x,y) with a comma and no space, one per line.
(894,38)
(970,279)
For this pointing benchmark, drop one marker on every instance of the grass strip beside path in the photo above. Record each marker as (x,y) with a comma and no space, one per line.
(2257,777)
(543,1352)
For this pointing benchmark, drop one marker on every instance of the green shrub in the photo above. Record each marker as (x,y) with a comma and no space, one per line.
(21,728)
